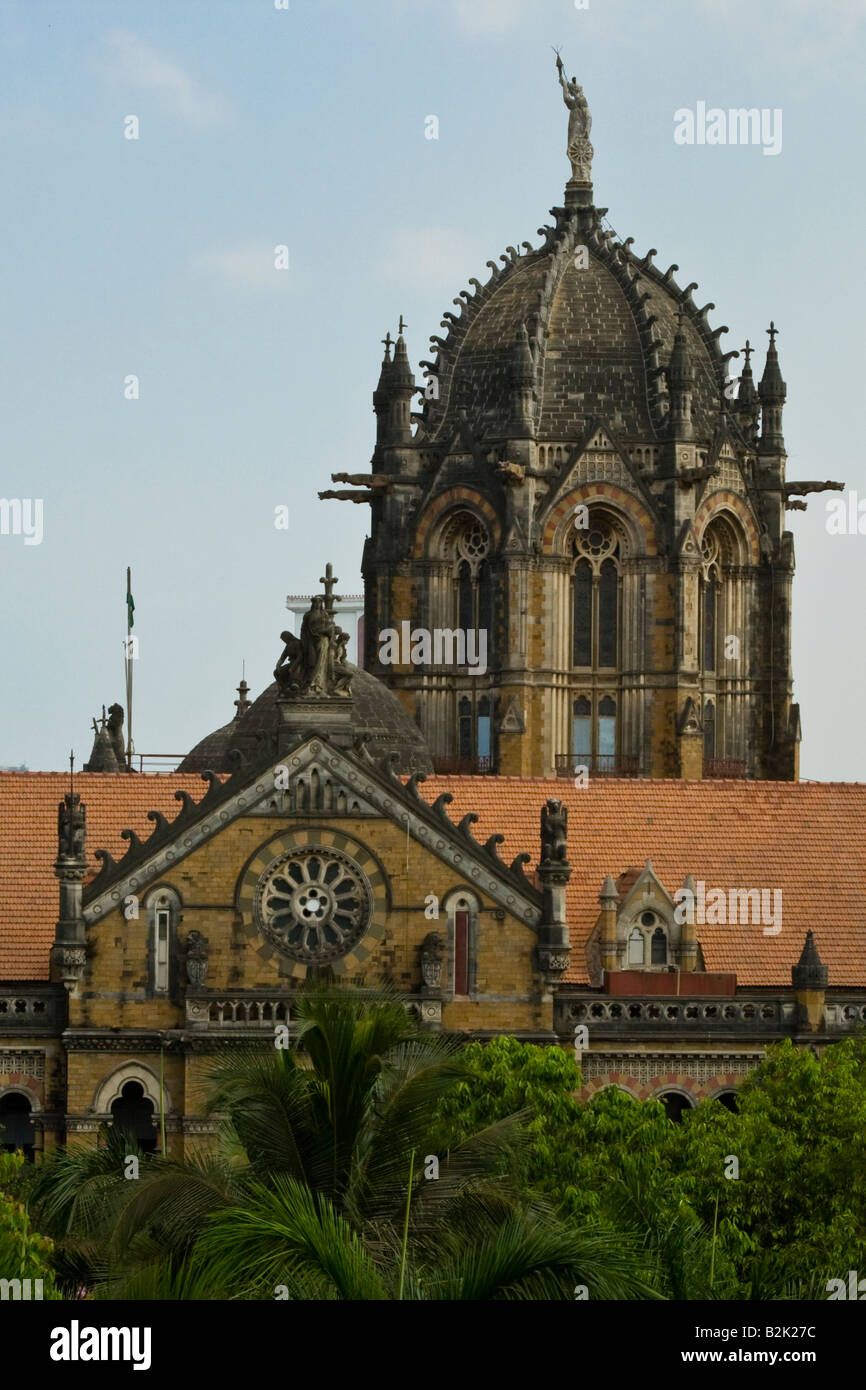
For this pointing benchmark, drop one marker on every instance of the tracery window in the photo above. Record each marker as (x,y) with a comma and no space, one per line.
(467,545)
(595,590)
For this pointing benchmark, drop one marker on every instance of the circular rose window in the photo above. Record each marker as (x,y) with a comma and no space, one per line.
(314,904)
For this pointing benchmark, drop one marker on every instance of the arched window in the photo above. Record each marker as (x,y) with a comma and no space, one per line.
(675,1104)
(659,948)
(483,735)
(463,943)
(710,587)
(582,614)
(594,737)
(163,914)
(133,1112)
(636,947)
(709,730)
(466,544)
(595,596)
(464,729)
(16,1126)
(582,734)
(607,731)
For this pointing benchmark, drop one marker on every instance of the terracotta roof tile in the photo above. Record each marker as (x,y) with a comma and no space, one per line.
(807,838)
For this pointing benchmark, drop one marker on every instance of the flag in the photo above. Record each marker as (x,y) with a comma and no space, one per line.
(130,602)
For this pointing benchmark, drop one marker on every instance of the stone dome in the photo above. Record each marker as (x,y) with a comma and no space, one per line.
(378,715)
(582,324)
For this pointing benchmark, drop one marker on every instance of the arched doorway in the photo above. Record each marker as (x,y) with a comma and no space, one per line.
(16,1125)
(676,1104)
(133,1112)
(729,1100)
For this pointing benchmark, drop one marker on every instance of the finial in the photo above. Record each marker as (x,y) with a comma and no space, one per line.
(387,340)
(329,579)
(71,772)
(402,326)
(242,704)
(772,330)
(748,350)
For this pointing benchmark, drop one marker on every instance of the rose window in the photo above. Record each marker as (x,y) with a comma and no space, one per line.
(597,543)
(314,904)
(473,544)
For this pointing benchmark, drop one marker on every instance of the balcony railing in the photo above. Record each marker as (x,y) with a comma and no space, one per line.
(724,767)
(462,767)
(597,765)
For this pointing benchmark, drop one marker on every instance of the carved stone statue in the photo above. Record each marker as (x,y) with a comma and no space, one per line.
(70,827)
(554,833)
(431,960)
(196,959)
(315,664)
(580,150)
(115,732)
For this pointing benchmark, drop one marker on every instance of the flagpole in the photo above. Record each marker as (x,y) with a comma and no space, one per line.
(129,607)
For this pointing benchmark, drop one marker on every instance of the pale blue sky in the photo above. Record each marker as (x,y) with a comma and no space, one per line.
(261,127)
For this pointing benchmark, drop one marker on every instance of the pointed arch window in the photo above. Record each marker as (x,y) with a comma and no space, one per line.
(636,947)
(595,597)
(709,615)
(467,546)
(163,916)
(709,730)
(659,947)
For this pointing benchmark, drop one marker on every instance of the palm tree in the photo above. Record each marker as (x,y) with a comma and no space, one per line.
(333,1180)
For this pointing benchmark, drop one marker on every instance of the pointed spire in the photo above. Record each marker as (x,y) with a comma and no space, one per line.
(401,371)
(608,897)
(810,972)
(746,405)
(393,395)
(242,704)
(681,379)
(772,393)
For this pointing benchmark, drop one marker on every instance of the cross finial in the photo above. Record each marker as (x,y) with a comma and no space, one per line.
(387,340)
(402,326)
(329,579)
(748,351)
(772,330)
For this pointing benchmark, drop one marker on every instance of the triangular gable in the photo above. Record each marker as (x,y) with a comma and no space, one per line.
(348,778)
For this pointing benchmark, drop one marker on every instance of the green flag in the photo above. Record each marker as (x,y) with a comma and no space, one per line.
(130,606)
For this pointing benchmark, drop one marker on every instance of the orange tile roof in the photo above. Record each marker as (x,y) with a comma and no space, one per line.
(808,839)
(29,901)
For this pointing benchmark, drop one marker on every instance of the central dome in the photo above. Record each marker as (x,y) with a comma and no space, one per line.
(377,715)
(586,326)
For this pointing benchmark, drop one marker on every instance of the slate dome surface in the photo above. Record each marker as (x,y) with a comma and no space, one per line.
(378,714)
(600,326)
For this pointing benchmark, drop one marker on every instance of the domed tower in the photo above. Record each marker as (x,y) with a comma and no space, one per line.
(587,520)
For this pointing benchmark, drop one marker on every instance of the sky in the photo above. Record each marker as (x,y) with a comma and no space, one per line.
(148,266)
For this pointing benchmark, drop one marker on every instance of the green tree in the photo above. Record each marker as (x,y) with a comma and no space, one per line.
(24,1254)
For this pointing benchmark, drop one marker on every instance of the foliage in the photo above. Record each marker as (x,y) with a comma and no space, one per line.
(24,1254)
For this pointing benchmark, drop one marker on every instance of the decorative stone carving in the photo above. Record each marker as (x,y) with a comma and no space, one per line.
(315,664)
(580,151)
(196,959)
(431,961)
(554,832)
(71,824)
(314,904)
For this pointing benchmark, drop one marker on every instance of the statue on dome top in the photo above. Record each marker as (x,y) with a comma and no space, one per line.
(580,150)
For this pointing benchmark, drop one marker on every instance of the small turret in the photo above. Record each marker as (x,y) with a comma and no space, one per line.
(809,978)
(681,380)
(522,382)
(70,867)
(392,399)
(772,393)
(747,405)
